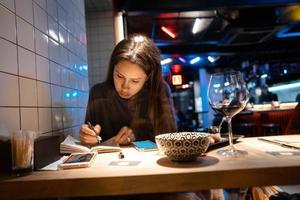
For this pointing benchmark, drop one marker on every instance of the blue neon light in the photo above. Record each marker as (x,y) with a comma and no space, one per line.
(284,33)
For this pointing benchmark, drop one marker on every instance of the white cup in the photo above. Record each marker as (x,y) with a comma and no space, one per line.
(275,104)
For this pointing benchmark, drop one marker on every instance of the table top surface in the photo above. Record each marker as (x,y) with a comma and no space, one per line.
(152,172)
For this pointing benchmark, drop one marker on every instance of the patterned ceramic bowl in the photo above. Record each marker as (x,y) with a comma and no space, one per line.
(183,146)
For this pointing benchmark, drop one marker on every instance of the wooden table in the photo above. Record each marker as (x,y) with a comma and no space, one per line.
(150,172)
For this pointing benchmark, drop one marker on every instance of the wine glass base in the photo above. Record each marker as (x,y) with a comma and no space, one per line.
(232,153)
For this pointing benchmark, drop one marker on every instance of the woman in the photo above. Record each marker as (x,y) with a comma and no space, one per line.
(134,103)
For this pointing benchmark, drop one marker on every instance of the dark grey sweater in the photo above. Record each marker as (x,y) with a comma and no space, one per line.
(106,108)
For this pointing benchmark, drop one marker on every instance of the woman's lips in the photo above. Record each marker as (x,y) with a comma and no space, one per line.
(124,94)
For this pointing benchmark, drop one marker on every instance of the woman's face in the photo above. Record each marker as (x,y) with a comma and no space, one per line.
(129,79)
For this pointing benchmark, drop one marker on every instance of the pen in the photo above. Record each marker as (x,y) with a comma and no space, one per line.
(93,129)
(91,126)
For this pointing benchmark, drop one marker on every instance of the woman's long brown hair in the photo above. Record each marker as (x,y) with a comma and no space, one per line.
(142,51)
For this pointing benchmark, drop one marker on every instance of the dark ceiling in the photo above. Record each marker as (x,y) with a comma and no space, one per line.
(255,36)
(234,30)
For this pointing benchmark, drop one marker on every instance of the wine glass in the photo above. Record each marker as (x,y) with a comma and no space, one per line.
(228,95)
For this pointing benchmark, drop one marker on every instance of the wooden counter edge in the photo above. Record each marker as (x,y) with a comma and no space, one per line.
(126,185)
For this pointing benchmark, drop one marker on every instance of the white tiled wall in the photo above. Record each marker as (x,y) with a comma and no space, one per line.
(43,65)
(100,35)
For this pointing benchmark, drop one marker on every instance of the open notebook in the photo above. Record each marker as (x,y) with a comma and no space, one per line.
(72,145)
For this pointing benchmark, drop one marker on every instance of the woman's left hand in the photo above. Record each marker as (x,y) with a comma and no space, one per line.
(125,136)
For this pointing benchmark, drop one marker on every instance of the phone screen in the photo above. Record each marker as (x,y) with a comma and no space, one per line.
(145,145)
(77,158)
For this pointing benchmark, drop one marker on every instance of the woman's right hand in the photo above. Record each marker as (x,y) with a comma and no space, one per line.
(88,136)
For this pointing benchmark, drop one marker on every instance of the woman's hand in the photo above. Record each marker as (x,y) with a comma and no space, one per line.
(88,136)
(125,136)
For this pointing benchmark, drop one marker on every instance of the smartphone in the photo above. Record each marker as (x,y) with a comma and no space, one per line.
(78,160)
(146,145)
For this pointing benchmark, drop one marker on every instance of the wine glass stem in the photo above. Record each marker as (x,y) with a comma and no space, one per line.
(220,125)
(230,133)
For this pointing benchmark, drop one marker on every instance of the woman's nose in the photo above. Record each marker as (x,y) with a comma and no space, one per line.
(125,84)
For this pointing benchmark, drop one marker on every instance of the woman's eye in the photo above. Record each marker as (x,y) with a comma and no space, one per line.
(135,81)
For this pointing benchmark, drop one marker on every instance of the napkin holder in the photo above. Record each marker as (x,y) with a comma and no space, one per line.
(46,151)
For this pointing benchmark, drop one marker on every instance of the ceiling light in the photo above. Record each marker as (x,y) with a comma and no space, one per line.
(264,76)
(182,59)
(213,59)
(195,60)
(196,26)
(167,31)
(201,24)
(166,61)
